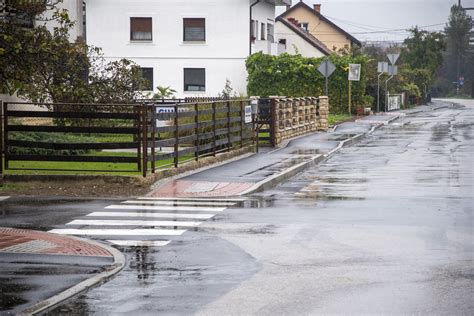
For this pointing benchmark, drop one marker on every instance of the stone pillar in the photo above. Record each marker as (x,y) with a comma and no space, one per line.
(323,113)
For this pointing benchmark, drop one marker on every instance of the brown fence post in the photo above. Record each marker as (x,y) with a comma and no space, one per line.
(176,136)
(137,136)
(145,139)
(273,122)
(242,121)
(229,143)
(5,134)
(196,131)
(214,143)
(153,137)
(1,143)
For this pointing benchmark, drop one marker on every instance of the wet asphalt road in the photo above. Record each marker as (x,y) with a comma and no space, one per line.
(384,226)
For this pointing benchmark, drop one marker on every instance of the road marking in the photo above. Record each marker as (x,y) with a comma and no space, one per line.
(132,223)
(151,215)
(140,243)
(179,203)
(3,198)
(189,199)
(166,208)
(119,232)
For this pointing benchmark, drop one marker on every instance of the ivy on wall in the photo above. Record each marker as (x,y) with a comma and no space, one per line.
(297,76)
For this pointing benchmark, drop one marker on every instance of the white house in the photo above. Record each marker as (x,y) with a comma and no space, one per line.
(191,46)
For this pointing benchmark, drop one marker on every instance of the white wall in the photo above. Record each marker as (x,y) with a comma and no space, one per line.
(223,54)
(74,8)
(295,42)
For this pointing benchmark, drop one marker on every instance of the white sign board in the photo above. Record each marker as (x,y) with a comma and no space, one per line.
(382,67)
(392,70)
(354,72)
(394,102)
(248,114)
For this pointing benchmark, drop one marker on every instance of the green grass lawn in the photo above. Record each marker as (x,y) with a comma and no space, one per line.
(338,118)
(88,168)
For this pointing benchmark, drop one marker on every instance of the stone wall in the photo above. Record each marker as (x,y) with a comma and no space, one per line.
(292,117)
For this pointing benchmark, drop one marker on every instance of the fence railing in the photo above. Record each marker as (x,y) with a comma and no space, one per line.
(99,137)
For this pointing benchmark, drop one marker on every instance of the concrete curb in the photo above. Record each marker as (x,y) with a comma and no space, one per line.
(117,266)
(292,171)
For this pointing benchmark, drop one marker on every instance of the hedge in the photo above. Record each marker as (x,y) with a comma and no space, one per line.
(297,76)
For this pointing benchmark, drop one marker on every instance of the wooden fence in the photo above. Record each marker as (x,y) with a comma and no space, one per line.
(140,135)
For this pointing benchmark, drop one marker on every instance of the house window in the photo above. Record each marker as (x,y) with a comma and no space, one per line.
(270,33)
(194,30)
(262,29)
(147,74)
(194,79)
(141,29)
(282,41)
(305,26)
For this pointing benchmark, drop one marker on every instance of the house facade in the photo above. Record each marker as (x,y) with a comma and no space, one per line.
(318,26)
(296,40)
(191,46)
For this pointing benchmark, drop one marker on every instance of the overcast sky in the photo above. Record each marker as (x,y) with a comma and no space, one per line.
(376,19)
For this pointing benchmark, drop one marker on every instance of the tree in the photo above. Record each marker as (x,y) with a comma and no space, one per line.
(45,66)
(164,92)
(458,61)
(424,50)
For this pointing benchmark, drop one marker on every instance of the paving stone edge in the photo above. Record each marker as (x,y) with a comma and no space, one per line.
(117,266)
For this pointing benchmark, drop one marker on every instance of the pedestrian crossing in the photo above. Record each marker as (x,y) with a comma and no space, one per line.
(146,221)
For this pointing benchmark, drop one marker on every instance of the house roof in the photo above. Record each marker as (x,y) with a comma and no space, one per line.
(306,36)
(322,17)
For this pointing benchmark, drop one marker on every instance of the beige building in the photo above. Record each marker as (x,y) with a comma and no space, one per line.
(312,21)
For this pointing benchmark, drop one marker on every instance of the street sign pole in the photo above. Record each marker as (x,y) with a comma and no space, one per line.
(386,91)
(326,70)
(378,91)
(350,97)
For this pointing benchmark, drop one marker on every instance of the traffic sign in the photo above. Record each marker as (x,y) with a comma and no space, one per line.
(354,72)
(393,58)
(326,68)
(382,67)
(392,70)
(461,81)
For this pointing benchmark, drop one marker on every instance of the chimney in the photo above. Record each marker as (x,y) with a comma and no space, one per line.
(288,6)
(317,7)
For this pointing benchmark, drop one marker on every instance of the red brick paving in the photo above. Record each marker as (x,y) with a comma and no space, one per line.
(60,245)
(183,188)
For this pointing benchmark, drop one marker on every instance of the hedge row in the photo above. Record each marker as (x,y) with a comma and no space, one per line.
(297,76)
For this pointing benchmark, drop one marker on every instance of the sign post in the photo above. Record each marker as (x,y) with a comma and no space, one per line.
(392,71)
(326,69)
(382,67)
(353,75)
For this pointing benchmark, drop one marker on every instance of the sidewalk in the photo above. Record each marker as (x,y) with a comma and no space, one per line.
(272,166)
(39,270)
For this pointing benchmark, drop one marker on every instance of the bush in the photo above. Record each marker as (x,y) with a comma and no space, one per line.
(297,76)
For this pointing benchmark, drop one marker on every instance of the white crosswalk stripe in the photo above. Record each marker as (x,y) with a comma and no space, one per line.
(150,220)
(133,223)
(140,243)
(194,203)
(166,208)
(151,215)
(119,232)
